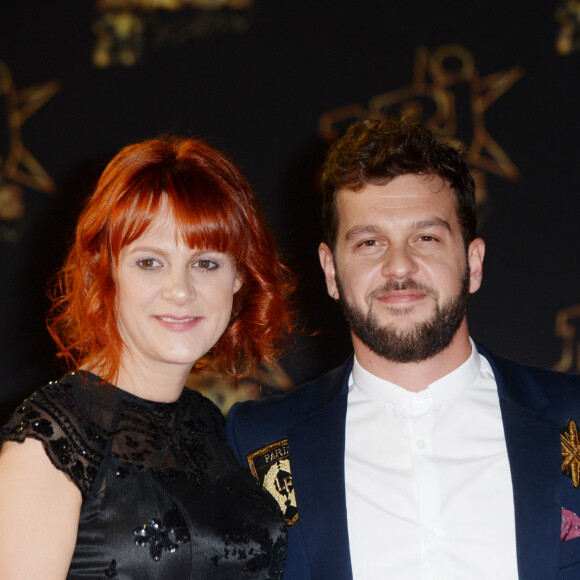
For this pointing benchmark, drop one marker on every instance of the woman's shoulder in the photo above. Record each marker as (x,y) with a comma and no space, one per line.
(57,415)
(38,415)
(202,413)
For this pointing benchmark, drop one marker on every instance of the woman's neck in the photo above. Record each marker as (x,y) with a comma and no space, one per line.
(161,383)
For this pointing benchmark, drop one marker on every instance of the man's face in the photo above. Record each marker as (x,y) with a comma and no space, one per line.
(400,267)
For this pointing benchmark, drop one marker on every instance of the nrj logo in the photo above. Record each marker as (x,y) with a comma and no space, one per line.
(125,29)
(450,97)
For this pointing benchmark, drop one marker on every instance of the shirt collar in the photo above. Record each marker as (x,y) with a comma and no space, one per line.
(446,387)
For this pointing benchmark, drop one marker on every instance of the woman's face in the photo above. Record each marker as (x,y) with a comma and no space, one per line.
(173,302)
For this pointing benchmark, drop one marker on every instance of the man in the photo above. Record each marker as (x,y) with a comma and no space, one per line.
(424,456)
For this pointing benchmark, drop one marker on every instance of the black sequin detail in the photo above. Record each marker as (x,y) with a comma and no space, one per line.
(111,571)
(43,427)
(156,535)
(62,449)
(121,472)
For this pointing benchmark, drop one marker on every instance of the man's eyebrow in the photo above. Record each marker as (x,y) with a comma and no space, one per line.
(435,222)
(356,231)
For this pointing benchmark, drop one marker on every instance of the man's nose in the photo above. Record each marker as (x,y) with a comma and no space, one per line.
(399,262)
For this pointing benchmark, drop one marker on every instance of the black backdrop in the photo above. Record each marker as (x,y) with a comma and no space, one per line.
(271,82)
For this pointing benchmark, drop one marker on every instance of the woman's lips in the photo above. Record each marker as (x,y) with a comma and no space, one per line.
(178,323)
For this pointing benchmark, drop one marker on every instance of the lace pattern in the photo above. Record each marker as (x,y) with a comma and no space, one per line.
(47,417)
(198,514)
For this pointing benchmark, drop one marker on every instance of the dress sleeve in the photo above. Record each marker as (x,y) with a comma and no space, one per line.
(51,416)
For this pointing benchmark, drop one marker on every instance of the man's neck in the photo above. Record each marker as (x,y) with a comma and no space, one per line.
(416,376)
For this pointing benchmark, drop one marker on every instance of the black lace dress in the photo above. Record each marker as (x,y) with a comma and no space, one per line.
(163,495)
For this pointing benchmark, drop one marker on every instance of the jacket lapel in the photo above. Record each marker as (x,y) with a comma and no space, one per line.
(534,451)
(317,454)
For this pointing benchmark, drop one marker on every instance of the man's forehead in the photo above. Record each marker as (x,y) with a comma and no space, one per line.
(403,192)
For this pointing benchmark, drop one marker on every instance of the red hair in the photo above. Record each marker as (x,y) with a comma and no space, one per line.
(214,208)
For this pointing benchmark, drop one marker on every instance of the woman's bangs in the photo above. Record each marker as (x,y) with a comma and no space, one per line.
(134,216)
(207,219)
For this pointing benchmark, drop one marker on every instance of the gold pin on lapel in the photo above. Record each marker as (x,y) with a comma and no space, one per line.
(270,465)
(571,452)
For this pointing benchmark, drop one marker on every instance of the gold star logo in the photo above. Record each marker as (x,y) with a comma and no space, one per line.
(448,96)
(571,453)
(568,329)
(20,166)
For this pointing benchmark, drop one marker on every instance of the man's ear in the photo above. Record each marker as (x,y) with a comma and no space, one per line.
(475,254)
(327,262)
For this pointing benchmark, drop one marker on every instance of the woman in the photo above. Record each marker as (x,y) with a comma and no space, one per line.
(117,471)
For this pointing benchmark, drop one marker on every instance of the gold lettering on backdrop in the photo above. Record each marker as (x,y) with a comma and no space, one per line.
(18,167)
(567,325)
(171,5)
(125,28)
(568,17)
(446,87)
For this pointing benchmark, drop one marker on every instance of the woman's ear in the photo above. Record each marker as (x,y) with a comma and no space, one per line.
(239,281)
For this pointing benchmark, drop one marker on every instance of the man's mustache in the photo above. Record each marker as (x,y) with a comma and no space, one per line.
(393,286)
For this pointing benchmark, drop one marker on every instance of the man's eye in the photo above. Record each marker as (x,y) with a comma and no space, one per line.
(428,239)
(369,243)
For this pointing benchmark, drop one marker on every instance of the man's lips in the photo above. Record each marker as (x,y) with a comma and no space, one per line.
(404,297)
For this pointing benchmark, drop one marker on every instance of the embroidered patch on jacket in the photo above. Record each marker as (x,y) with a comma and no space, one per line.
(571,452)
(271,467)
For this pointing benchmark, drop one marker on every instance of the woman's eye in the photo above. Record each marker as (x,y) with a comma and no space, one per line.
(147,263)
(206,264)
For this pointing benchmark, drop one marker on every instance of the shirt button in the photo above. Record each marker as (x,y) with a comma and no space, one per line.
(421,443)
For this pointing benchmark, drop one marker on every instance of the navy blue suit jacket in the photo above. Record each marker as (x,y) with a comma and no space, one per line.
(535,405)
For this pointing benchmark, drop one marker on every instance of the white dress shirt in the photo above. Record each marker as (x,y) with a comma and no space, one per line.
(428,484)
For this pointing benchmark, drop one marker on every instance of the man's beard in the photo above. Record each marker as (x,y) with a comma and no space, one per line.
(418,343)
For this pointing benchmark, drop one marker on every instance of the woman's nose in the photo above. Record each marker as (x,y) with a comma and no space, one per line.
(178,286)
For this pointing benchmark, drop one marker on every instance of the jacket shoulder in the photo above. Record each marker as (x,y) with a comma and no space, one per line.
(547,378)
(251,424)
(301,400)
(532,387)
